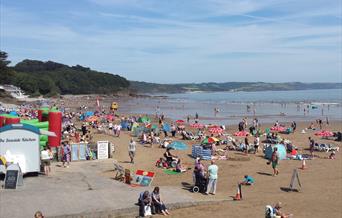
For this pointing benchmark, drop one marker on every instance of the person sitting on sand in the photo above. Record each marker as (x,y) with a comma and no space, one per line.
(312,126)
(332,156)
(248,180)
(169,157)
(179,167)
(276,124)
(278,212)
(161,163)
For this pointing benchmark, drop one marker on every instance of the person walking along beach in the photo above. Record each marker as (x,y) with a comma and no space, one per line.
(66,154)
(275,161)
(131,150)
(212,171)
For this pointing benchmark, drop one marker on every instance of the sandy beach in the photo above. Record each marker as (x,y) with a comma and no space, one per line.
(319,196)
(321,182)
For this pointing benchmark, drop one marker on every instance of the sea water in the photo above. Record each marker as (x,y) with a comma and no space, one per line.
(231,107)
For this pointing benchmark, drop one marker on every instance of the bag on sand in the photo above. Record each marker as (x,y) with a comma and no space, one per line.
(148,211)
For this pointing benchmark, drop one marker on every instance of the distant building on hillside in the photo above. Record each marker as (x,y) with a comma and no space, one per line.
(14,91)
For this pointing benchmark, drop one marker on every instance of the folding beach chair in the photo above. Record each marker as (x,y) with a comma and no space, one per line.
(120,172)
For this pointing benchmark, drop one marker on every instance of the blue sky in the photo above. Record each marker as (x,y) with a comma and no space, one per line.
(172,41)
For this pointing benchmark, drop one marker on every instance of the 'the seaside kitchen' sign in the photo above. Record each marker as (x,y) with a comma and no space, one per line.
(19,143)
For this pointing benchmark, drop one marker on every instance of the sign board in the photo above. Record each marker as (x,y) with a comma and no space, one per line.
(102,150)
(143,178)
(19,143)
(14,177)
(11,179)
(295,181)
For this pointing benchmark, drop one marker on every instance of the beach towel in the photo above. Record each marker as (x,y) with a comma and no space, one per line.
(171,172)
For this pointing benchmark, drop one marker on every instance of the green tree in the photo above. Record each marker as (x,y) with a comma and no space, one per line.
(6,74)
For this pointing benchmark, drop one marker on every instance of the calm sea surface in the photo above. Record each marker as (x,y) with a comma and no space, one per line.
(268,106)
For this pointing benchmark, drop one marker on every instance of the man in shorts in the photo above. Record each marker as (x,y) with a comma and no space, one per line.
(131,150)
(275,161)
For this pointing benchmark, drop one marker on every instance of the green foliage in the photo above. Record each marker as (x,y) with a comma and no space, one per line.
(50,78)
(6,74)
(59,78)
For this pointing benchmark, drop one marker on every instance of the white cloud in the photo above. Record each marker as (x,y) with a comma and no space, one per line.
(176,48)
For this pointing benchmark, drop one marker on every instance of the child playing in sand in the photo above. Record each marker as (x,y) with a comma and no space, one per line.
(248,180)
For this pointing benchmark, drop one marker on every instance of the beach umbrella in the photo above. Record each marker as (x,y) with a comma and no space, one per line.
(166,127)
(180,121)
(214,126)
(215,130)
(177,145)
(278,128)
(324,133)
(209,140)
(281,151)
(241,133)
(197,125)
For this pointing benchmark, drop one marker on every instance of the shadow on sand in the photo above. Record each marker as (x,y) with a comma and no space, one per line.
(265,174)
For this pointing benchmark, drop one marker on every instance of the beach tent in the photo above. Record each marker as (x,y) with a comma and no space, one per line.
(281,151)
(144,120)
(138,131)
(89,114)
(177,145)
(124,124)
(13,113)
(166,127)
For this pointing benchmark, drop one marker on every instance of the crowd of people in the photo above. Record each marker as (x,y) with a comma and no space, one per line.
(78,129)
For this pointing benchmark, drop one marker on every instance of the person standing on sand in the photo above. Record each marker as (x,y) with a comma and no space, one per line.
(256,143)
(131,150)
(275,161)
(311,145)
(66,154)
(294,126)
(246,145)
(212,171)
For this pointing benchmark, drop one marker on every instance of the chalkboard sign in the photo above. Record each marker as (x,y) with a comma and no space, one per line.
(11,179)
(295,181)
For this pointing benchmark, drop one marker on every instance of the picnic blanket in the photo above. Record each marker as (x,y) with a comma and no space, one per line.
(171,172)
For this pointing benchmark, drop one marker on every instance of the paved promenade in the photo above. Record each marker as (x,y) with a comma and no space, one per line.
(78,189)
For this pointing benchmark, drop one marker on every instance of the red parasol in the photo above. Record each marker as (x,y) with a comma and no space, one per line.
(197,125)
(180,121)
(215,130)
